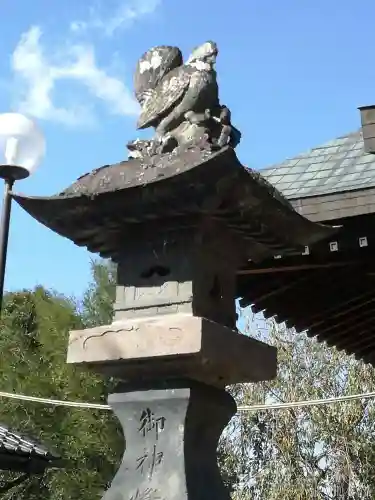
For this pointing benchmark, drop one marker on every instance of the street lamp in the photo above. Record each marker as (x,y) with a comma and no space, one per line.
(22,147)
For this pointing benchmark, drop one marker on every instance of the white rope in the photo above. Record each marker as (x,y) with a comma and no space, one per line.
(301,404)
(275,406)
(54,402)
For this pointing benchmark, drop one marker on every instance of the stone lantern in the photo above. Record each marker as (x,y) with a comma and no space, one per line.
(180,219)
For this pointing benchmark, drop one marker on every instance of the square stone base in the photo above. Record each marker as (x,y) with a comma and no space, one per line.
(173,346)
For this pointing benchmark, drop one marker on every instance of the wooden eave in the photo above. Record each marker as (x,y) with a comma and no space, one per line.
(328,290)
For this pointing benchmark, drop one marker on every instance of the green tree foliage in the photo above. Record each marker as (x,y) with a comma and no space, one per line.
(310,453)
(315,452)
(98,299)
(33,343)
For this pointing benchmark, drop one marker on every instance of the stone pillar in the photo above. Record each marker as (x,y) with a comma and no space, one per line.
(174,345)
(172,432)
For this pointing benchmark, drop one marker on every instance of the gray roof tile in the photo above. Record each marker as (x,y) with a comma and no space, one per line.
(338,165)
(14,445)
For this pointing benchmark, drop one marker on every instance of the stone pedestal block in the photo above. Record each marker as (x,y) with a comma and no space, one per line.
(172,404)
(171,431)
(173,346)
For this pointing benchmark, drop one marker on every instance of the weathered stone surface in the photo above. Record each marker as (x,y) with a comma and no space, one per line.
(183,272)
(181,101)
(152,67)
(171,432)
(173,346)
(112,205)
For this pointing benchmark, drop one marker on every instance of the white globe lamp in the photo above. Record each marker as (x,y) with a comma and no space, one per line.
(22,147)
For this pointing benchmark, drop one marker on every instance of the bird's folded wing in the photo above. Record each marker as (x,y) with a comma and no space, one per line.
(164,96)
(153,66)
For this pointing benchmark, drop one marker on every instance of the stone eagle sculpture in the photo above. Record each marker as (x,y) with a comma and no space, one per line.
(180,101)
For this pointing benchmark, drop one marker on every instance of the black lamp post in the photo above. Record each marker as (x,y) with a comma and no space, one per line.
(22,147)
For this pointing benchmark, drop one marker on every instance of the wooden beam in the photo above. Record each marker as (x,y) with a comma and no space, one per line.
(341,318)
(273,287)
(316,319)
(364,341)
(299,304)
(355,294)
(316,259)
(343,337)
(300,267)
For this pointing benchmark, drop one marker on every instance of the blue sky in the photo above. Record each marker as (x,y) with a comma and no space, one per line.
(293,73)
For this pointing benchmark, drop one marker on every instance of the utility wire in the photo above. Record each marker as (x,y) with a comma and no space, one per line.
(242,408)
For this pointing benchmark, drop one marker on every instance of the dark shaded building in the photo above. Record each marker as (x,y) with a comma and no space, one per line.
(329,289)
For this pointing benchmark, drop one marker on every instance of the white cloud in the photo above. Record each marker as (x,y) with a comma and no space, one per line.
(36,76)
(36,79)
(38,70)
(126,14)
